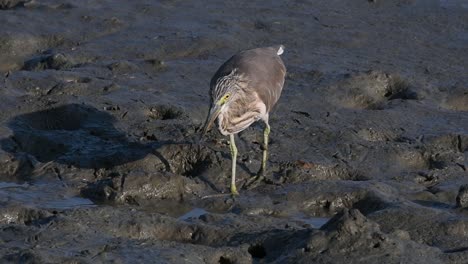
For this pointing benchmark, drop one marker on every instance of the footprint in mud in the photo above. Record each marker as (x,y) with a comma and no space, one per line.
(165,112)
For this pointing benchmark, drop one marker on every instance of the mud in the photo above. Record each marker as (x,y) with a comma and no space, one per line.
(102,104)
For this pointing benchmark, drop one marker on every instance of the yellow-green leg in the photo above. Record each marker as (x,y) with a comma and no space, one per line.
(233,158)
(255,180)
(266,134)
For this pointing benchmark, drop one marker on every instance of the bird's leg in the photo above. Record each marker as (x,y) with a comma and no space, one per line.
(255,180)
(234,158)
(266,134)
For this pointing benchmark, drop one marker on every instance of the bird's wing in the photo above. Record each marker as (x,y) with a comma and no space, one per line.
(262,69)
(265,72)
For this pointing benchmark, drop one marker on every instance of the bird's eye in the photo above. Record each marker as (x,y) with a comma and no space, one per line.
(224,99)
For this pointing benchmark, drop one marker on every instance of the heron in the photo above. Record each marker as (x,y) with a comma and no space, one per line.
(242,91)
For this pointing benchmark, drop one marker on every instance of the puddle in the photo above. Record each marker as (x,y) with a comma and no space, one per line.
(168,207)
(315,222)
(67,203)
(453,3)
(446,4)
(47,196)
(434,204)
(194,213)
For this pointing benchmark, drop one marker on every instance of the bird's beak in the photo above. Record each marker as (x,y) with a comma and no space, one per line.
(214,113)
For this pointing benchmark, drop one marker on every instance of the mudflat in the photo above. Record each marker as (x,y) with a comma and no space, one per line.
(101,105)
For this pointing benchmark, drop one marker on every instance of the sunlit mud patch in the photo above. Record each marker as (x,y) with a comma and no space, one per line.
(42,195)
(377,134)
(408,160)
(303,171)
(436,195)
(323,199)
(454,97)
(457,102)
(371,90)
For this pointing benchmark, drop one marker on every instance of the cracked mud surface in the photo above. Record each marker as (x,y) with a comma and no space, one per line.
(101,109)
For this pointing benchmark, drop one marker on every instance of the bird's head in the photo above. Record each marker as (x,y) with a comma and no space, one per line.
(219,102)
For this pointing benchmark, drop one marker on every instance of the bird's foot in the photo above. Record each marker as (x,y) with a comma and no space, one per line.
(261,172)
(256,180)
(234,191)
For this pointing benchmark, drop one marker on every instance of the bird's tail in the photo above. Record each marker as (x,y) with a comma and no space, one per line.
(280,50)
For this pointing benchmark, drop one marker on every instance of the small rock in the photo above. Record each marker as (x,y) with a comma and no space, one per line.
(158,65)
(122,67)
(462,197)
(56,61)
(402,234)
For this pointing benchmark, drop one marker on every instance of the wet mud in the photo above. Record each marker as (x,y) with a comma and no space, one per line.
(102,104)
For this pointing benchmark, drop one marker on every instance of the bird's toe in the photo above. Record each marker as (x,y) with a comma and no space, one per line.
(254,182)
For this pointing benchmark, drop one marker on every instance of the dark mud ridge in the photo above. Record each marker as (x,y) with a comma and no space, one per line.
(102,103)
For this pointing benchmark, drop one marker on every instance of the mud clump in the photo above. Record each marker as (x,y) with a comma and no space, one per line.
(350,227)
(138,189)
(157,65)
(56,61)
(462,197)
(122,67)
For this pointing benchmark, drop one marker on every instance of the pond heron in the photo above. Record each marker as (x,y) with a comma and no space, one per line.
(244,90)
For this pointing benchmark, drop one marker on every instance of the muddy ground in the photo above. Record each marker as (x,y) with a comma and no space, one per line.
(101,108)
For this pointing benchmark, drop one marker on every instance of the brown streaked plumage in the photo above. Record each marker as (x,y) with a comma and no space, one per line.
(244,90)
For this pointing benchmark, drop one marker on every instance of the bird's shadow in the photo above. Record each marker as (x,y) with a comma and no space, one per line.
(81,136)
(77,135)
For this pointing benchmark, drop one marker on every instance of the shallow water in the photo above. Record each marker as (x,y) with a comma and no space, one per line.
(453,3)
(43,196)
(314,222)
(194,213)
